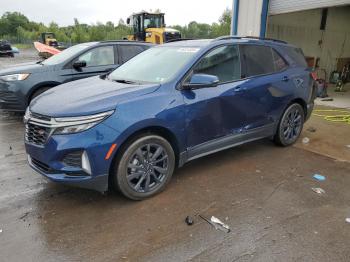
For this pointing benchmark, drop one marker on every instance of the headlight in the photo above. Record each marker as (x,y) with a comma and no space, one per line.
(71,125)
(74,129)
(14,77)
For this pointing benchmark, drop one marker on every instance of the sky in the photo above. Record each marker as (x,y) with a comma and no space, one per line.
(91,11)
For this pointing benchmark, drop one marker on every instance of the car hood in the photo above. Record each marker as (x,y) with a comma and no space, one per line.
(87,96)
(25,68)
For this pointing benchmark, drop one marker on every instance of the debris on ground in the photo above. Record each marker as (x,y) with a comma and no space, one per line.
(306,140)
(0,230)
(25,214)
(311,129)
(348,146)
(319,177)
(347,219)
(327,99)
(216,223)
(189,220)
(318,190)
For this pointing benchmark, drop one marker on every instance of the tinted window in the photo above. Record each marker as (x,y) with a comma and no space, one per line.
(129,51)
(278,62)
(66,54)
(257,60)
(222,62)
(294,56)
(99,56)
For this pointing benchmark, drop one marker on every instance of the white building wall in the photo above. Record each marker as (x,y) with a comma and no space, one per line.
(303,29)
(287,6)
(249,17)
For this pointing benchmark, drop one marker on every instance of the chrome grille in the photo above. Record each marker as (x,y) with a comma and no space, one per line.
(37,135)
(38,128)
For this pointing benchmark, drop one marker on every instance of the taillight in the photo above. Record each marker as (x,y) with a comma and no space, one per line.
(313,75)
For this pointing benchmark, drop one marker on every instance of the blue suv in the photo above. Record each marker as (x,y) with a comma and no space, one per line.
(168,105)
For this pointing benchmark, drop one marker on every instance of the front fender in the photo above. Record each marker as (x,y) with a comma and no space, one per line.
(150,124)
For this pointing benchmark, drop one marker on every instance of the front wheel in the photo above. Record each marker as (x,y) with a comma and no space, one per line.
(290,125)
(145,167)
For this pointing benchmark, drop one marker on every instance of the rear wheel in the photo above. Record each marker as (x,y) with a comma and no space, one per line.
(290,125)
(145,167)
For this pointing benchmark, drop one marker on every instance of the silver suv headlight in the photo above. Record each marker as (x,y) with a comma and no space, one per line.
(71,125)
(14,77)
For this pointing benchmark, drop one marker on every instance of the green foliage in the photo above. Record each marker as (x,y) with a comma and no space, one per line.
(197,30)
(17,28)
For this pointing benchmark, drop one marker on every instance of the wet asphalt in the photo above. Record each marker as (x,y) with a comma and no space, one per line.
(261,191)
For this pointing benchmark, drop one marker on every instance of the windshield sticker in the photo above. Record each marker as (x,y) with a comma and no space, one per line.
(188,50)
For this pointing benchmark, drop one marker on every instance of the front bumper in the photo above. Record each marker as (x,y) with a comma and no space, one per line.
(12,97)
(48,159)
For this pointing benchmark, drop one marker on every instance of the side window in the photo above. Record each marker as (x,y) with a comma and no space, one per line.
(129,51)
(278,62)
(257,60)
(295,56)
(222,62)
(99,56)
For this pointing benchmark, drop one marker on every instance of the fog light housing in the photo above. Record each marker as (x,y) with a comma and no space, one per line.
(85,163)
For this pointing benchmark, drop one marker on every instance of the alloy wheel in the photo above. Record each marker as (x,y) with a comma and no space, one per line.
(292,125)
(147,168)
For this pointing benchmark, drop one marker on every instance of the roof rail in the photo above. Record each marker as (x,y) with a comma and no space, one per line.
(228,37)
(179,39)
(123,40)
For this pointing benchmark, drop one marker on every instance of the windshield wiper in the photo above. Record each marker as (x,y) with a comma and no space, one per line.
(123,81)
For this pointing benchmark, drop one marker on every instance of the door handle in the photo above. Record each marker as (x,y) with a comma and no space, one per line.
(285,78)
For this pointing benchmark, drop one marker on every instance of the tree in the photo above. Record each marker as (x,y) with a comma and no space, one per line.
(10,21)
(17,27)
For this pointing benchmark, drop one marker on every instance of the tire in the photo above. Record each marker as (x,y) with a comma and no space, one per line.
(290,125)
(147,160)
(38,92)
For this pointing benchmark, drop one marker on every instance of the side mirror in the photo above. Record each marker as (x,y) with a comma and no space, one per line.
(201,81)
(79,64)
(128,21)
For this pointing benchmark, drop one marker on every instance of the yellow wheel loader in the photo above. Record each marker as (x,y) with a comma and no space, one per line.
(150,27)
(48,38)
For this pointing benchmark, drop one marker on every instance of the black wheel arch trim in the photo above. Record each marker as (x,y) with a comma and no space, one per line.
(38,87)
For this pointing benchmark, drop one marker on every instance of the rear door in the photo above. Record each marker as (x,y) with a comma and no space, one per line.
(99,60)
(126,52)
(266,88)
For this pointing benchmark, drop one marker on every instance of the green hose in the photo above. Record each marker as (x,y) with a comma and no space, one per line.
(340,115)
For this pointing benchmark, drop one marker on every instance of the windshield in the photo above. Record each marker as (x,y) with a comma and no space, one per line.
(156,65)
(65,54)
(153,21)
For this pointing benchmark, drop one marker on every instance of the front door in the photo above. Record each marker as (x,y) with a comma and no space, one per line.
(99,60)
(216,112)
